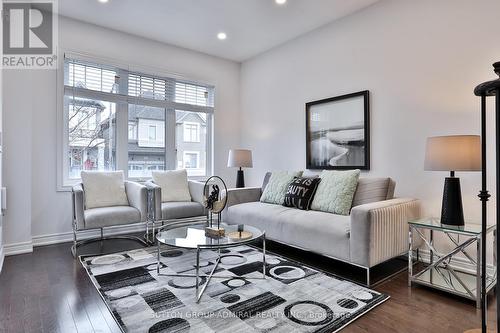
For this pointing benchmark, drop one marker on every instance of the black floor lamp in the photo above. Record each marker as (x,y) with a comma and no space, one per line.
(486,89)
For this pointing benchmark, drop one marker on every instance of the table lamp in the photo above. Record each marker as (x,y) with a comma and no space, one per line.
(240,158)
(453,153)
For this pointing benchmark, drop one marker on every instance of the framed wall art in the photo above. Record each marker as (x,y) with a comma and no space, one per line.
(338,132)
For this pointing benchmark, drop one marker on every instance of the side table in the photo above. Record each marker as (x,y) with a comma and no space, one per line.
(439,273)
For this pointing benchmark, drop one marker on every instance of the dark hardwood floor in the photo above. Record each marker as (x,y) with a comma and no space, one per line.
(48,291)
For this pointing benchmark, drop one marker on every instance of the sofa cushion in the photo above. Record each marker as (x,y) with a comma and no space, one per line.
(109,216)
(276,187)
(104,189)
(174,185)
(179,210)
(336,191)
(300,192)
(373,190)
(320,232)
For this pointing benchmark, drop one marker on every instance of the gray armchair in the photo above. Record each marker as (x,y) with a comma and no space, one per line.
(173,211)
(102,217)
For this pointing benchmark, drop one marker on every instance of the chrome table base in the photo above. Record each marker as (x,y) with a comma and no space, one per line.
(198,276)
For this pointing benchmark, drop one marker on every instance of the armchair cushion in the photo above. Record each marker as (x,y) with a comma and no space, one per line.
(104,189)
(174,185)
(110,216)
(180,210)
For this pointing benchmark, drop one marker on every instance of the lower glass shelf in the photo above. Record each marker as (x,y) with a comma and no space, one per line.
(441,278)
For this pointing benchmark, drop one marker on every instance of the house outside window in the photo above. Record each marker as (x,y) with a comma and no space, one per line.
(191,132)
(132,130)
(191,159)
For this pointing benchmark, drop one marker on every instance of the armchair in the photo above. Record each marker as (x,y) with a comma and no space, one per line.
(101,217)
(173,211)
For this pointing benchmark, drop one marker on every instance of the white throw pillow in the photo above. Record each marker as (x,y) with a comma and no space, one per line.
(336,191)
(104,189)
(275,190)
(174,185)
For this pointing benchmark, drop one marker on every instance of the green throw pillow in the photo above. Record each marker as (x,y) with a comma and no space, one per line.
(336,191)
(276,187)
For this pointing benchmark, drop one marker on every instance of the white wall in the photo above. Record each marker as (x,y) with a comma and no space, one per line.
(420,60)
(35,207)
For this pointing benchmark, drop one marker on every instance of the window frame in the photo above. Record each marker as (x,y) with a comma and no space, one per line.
(64,183)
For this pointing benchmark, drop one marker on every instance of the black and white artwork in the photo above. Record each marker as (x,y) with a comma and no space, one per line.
(338,132)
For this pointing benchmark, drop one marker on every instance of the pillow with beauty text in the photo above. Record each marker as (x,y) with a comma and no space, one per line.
(300,193)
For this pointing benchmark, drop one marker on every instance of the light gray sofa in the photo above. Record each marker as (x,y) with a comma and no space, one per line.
(375,231)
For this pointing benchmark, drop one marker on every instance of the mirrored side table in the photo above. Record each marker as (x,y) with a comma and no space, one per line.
(438,270)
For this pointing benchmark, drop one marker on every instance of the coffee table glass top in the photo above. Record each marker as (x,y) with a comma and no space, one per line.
(469,228)
(192,236)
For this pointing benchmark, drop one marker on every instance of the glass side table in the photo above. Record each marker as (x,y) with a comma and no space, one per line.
(438,273)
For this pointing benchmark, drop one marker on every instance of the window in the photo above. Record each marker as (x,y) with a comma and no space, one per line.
(152,133)
(90,136)
(191,132)
(191,159)
(165,123)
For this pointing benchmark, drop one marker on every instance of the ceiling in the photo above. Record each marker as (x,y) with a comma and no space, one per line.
(252,26)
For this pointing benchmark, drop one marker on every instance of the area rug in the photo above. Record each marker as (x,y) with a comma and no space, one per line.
(292,298)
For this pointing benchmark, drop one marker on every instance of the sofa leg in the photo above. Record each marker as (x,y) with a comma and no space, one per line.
(368,276)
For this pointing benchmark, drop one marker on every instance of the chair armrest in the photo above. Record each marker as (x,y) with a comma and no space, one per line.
(237,196)
(154,200)
(196,190)
(137,198)
(78,197)
(379,230)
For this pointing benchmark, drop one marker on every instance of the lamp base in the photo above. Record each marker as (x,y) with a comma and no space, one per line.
(452,212)
(240,179)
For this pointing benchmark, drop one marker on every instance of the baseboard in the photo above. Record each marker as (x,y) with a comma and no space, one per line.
(41,240)
(458,263)
(18,248)
(2,256)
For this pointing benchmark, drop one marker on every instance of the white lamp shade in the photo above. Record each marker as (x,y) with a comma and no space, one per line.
(239,158)
(453,153)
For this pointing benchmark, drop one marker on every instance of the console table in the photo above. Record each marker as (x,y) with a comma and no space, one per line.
(438,272)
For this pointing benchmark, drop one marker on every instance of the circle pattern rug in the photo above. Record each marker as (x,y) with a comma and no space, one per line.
(292,297)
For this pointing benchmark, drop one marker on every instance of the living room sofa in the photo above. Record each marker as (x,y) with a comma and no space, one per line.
(375,231)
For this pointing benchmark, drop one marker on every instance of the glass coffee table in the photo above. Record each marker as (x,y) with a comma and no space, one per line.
(191,236)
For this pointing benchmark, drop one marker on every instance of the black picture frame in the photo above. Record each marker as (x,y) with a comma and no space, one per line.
(351,152)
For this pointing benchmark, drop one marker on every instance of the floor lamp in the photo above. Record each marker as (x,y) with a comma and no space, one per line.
(484,90)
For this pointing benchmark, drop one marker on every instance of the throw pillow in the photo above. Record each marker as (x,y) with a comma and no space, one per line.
(174,185)
(300,193)
(336,191)
(104,189)
(275,190)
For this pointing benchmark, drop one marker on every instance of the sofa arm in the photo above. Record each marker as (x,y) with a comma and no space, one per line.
(237,196)
(379,230)
(154,200)
(196,191)
(78,198)
(137,195)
